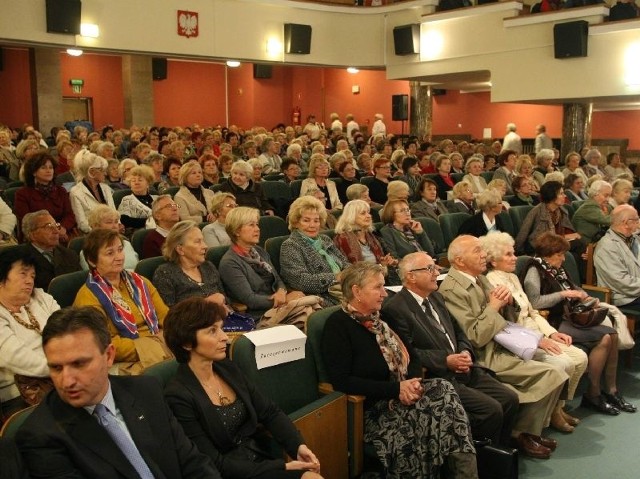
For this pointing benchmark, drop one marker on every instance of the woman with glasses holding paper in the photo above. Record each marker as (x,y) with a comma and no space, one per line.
(402,235)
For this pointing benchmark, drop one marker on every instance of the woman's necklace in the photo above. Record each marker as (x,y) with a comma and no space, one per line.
(33,323)
(224,400)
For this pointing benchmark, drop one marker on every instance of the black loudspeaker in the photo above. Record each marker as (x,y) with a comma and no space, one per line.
(570,39)
(406,39)
(63,16)
(400,107)
(159,68)
(262,71)
(438,91)
(297,38)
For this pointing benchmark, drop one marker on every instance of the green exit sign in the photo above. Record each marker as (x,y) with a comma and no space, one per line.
(76,82)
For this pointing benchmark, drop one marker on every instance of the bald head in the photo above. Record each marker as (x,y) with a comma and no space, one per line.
(624,220)
(466,254)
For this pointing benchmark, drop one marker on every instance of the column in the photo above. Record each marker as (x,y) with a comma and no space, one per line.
(46,89)
(137,86)
(421,111)
(576,127)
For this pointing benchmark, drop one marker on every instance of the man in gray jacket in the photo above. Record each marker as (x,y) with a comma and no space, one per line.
(617,257)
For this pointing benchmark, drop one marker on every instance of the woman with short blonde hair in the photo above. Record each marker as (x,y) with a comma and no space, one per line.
(193,198)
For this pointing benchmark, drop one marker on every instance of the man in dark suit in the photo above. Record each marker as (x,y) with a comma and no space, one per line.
(100,426)
(418,314)
(52,259)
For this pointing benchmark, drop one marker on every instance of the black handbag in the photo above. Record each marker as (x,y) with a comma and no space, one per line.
(496,462)
(584,315)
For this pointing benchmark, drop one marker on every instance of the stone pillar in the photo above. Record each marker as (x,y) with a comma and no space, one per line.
(421,114)
(137,86)
(46,89)
(576,127)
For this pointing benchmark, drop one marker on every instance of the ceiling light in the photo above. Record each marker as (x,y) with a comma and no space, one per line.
(89,30)
(352,70)
(233,63)
(74,52)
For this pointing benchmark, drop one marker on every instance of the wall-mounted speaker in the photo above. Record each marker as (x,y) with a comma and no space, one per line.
(570,39)
(261,71)
(297,38)
(438,91)
(406,39)
(400,107)
(63,16)
(159,68)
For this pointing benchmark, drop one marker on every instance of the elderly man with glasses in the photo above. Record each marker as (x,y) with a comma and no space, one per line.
(418,314)
(42,234)
(166,213)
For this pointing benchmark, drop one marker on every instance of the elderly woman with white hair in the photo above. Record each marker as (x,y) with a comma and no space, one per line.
(473,168)
(215,233)
(594,215)
(90,191)
(106,217)
(554,348)
(398,190)
(135,209)
(487,219)
(193,199)
(309,261)
(463,199)
(620,192)
(246,191)
(361,192)
(544,159)
(318,178)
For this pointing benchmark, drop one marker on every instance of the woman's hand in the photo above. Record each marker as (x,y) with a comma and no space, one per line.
(211,217)
(410,391)
(573,294)
(562,338)
(388,260)
(279,298)
(306,460)
(218,298)
(549,346)
(415,226)
(572,236)
(292,295)
(64,237)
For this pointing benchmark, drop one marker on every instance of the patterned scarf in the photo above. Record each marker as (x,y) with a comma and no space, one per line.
(45,189)
(393,350)
(408,236)
(558,274)
(117,308)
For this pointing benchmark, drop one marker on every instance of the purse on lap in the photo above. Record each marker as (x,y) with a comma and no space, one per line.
(521,341)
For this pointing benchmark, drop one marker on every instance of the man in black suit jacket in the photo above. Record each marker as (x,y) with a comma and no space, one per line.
(418,314)
(63,439)
(52,259)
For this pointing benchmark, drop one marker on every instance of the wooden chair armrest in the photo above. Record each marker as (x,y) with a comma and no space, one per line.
(600,292)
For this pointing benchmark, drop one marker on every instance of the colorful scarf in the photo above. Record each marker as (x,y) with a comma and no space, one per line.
(116,306)
(328,257)
(391,346)
(558,274)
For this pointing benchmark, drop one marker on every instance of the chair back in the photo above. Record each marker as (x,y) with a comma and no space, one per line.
(290,385)
(487,175)
(272,226)
(577,204)
(375,214)
(507,224)
(276,189)
(315,330)
(137,240)
(164,371)
(65,287)
(119,194)
(457,177)
(434,232)
(296,186)
(216,253)
(172,190)
(272,246)
(521,261)
(569,209)
(10,195)
(571,267)
(14,422)
(518,214)
(147,267)
(216,188)
(273,177)
(367,180)
(76,244)
(450,224)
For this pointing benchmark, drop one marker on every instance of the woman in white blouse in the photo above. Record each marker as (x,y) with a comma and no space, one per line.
(91,190)
(473,167)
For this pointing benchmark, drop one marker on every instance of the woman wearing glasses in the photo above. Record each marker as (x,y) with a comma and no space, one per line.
(90,190)
(166,214)
(401,234)
(215,233)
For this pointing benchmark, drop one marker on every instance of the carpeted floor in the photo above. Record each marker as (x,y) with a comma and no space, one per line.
(600,446)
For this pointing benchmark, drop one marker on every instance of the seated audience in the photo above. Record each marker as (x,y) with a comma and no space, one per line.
(246,191)
(593,166)
(309,261)
(378,187)
(420,318)
(165,213)
(7,224)
(411,174)
(548,286)
(90,190)
(171,174)
(594,215)
(415,425)
(193,330)
(246,269)
(133,309)
(50,258)
(107,218)
(616,167)
(463,199)
(194,200)
(291,170)
(506,170)
(487,219)
(473,167)
(135,209)
(256,165)
(544,161)
(40,192)
(443,179)
(24,311)
(187,273)
(361,192)
(398,190)
(574,188)
(210,173)
(477,307)
(215,233)
(620,192)
(572,165)
(427,204)
(524,167)
(348,175)
(555,348)
(99,425)
(318,178)
(402,234)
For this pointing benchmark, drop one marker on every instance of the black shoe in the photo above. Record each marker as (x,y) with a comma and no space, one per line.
(599,404)
(619,402)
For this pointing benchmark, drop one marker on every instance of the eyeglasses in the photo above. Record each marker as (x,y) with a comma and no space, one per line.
(230,205)
(51,226)
(404,211)
(174,206)
(432,268)
(633,220)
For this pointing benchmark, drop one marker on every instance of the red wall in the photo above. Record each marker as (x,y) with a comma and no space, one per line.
(15,88)
(195,93)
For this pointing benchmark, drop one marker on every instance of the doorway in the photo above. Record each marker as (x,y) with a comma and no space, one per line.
(77,108)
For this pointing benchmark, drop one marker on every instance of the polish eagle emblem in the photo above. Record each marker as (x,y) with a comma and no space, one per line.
(187,23)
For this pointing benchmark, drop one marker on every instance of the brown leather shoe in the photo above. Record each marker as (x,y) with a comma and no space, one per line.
(559,423)
(547,442)
(525,444)
(572,420)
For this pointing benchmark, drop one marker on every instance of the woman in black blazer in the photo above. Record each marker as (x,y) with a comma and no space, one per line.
(490,205)
(219,409)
